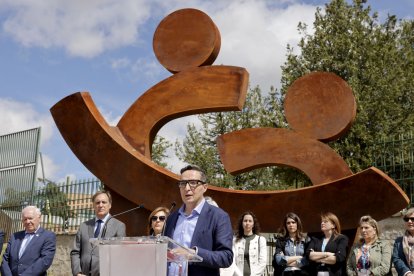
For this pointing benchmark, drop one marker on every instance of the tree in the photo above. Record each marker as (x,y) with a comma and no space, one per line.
(13,197)
(159,150)
(52,201)
(199,147)
(377,61)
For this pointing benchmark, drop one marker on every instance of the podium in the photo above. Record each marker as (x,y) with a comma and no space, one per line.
(144,256)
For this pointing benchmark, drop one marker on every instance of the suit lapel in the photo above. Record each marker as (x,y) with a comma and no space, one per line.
(32,242)
(108,227)
(91,226)
(201,224)
(19,239)
(171,223)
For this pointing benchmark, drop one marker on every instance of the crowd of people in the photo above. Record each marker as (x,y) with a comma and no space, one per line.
(205,229)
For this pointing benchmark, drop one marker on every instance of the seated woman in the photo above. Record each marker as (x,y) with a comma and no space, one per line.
(328,253)
(156,221)
(289,257)
(369,256)
(403,252)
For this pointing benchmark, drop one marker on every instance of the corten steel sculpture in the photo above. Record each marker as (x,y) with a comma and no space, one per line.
(319,107)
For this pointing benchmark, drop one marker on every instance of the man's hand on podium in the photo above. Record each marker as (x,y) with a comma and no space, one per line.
(183,252)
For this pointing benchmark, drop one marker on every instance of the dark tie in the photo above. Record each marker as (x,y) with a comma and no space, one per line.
(98,228)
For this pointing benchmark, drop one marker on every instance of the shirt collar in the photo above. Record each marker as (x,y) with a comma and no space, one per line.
(196,210)
(104,219)
(32,233)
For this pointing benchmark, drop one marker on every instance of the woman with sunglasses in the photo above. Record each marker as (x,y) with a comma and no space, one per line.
(289,258)
(370,255)
(403,252)
(328,253)
(156,221)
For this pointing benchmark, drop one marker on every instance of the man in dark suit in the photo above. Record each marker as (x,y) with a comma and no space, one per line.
(204,228)
(85,256)
(1,237)
(29,252)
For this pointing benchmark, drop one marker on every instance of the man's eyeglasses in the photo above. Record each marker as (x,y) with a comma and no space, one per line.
(155,218)
(192,183)
(409,219)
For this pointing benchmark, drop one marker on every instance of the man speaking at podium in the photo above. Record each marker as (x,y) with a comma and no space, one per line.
(85,256)
(200,226)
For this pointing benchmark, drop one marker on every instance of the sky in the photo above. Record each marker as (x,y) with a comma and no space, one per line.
(50,49)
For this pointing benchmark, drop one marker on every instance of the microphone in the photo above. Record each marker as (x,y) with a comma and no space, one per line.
(173,204)
(124,212)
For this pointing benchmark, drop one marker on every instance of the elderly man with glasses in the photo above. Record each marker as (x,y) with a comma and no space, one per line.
(200,226)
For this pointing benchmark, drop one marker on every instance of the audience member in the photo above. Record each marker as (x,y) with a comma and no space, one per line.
(289,257)
(328,253)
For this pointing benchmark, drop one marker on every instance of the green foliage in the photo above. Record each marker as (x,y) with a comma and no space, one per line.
(52,201)
(13,197)
(199,147)
(375,58)
(377,61)
(159,149)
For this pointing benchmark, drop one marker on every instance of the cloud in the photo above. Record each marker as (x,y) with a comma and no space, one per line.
(255,36)
(17,116)
(254,32)
(82,28)
(50,168)
(111,118)
(173,131)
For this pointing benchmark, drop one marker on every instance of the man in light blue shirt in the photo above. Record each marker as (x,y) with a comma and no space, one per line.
(204,228)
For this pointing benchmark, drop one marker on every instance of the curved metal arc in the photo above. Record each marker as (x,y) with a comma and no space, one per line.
(309,202)
(247,149)
(103,150)
(119,166)
(195,91)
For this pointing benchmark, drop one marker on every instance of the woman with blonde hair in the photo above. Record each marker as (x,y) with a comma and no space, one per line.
(328,253)
(370,255)
(156,221)
(403,252)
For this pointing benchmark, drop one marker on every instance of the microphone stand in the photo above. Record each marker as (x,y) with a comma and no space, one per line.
(124,212)
(173,204)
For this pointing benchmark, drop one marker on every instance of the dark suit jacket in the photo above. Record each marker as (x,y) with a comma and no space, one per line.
(339,246)
(398,257)
(37,257)
(85,257)
(1,237)
(213,238)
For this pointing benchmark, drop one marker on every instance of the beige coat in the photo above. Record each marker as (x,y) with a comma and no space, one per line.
(379,257)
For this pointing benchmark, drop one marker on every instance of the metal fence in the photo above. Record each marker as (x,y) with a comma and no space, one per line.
(18,164)
(64,206)
(395,156)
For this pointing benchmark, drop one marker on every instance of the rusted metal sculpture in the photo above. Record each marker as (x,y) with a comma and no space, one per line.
(319,107)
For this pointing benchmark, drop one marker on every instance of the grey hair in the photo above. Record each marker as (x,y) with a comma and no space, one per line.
(211,201)
(409,212)
(34,208)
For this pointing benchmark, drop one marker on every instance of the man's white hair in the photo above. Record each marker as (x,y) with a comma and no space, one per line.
(32,208)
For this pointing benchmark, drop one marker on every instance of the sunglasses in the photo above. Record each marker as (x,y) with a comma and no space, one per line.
(409,219)
(155,218)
